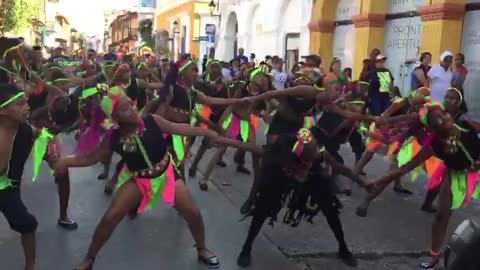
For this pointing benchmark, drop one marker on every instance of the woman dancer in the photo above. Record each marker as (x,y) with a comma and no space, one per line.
(120,75)
(297,102)
(292,175)
(399,107)
(18,138)
(213,86)
(182,99)
(457,145)
(237,121)
(149,171)
(403,150)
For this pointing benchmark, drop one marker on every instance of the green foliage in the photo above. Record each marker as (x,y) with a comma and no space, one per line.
(146,32)
(17,15)
(81,40)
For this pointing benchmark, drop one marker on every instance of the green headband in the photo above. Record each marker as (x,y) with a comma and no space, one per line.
(257,71)
(60,80)
(357,102)
(364,83)
(212,61)
(182,69)
(109,65)
(89,92)
(55,67)
(110,101)
(426,109)
(142,64)
(12,99)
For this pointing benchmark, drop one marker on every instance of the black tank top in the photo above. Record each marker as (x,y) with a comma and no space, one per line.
(404,110)
(22,146)
(301,106)
(183,98)
(137,94)
(459,160)
(153,141)
(37,101)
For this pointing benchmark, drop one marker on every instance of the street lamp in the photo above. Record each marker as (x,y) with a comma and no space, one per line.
(212,7)
(175,31)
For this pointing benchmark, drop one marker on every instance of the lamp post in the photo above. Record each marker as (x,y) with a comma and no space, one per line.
(212,7)
(175,26)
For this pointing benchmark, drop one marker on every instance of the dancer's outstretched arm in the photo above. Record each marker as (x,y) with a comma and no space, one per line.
(334,108)
(84,160)
(188,130)
(343,170)
(424,154)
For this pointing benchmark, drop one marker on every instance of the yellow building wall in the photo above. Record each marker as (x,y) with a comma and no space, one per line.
(366,39)
(441,35)
(192,9)
(321,40)
(438,35)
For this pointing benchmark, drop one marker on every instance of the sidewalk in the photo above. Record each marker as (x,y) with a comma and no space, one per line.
(395,228)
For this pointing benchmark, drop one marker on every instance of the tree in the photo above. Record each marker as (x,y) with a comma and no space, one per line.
(81,40)
(145,30)
(16,15)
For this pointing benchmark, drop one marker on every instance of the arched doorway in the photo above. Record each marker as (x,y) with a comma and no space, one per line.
(255,32)
(470,47)
(289,31)
(344,34)
(231,41)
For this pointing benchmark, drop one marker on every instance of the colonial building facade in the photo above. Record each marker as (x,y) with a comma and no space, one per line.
(264,28)
(402,29)
(124,32)
(184,26)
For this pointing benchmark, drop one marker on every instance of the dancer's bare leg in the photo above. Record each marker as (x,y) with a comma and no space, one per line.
(200,152)
(126,197)
(28,243)
(366,157)
(211,166)
(189,211)
(441,221)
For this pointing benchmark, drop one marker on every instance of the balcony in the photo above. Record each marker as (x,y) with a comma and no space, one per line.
(50,26)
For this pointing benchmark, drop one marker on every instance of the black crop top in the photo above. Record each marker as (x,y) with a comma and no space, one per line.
(137,94)
(301,106)
(183,98)
(153,141)
(405,108)
(459,160)
(21,148)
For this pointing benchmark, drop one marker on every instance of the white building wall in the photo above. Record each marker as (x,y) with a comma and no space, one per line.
(263,25)
(471,50)
(204,45)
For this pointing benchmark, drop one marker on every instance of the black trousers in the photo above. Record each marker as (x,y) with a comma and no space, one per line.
(17,215)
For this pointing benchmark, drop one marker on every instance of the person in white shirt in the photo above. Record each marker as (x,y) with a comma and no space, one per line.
(279,76)
(440,76)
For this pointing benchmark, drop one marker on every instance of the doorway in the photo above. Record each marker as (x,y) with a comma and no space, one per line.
(292,50)
(402,46)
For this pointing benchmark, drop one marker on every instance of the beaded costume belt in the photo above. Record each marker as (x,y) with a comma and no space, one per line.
(156,170)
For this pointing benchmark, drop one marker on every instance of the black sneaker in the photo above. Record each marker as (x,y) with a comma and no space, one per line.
(243,170)
(68,225)
(244,260)
(222,164)
(347,257)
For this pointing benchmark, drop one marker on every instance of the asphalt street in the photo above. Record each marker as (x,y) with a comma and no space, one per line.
(158,239)
(394,236)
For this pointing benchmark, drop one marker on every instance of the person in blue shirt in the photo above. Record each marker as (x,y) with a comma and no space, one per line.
(240,57)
